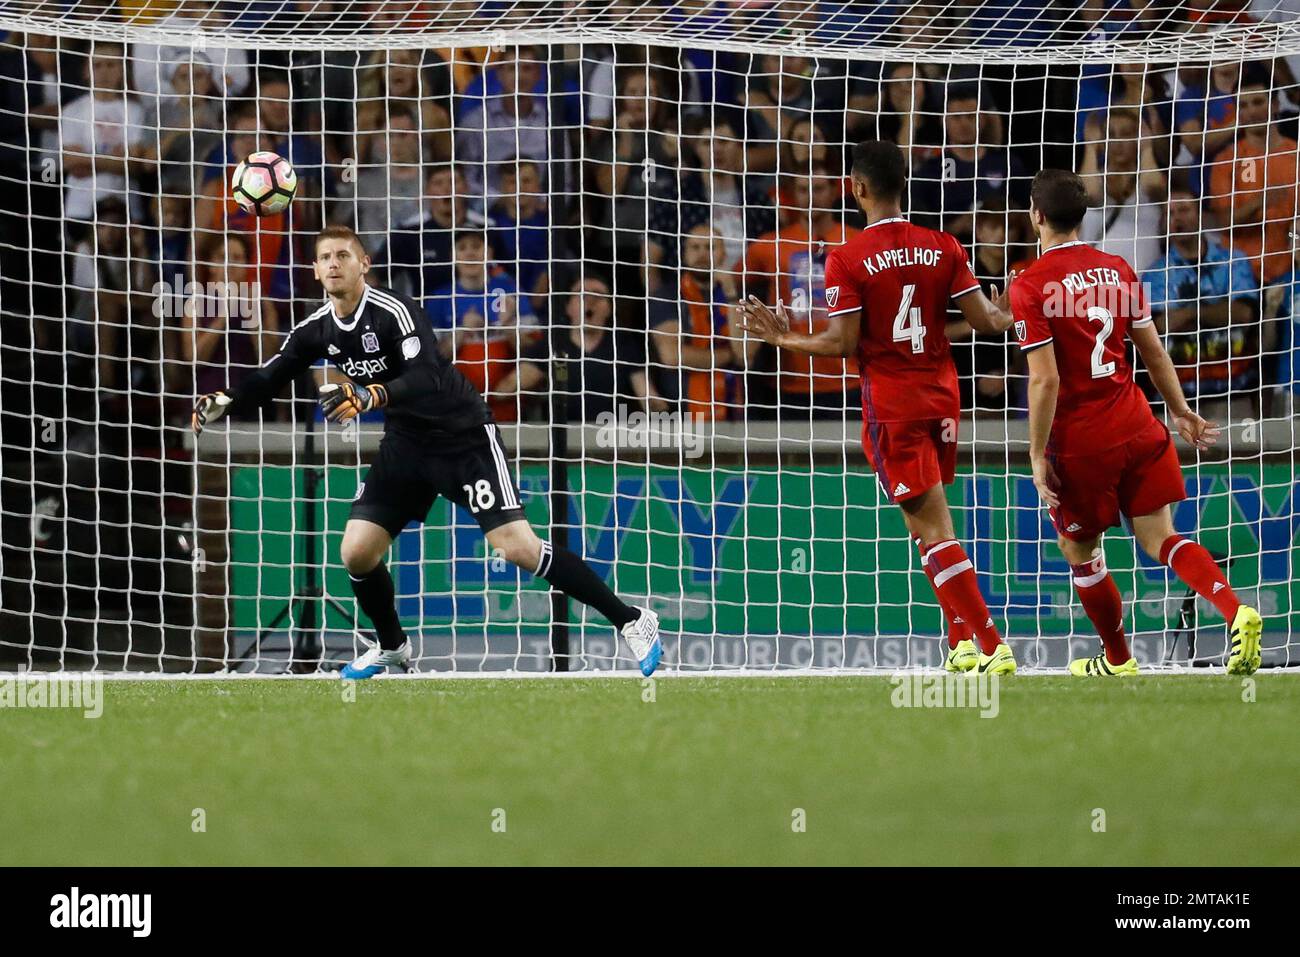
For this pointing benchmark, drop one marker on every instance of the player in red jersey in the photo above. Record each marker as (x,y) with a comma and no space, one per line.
(1096,448)
(887,294)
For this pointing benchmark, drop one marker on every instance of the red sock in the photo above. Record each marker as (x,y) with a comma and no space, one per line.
(957,629)
(954,579)
(1193,564)
(1103,605)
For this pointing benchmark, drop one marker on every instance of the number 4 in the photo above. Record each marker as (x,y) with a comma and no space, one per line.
(908,324)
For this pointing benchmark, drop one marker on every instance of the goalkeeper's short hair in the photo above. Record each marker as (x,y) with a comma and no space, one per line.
(340,231)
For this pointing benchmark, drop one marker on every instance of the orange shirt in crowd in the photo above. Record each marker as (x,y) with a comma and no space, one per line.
(268,232)
(706,391)
(797,261)
(1238,178)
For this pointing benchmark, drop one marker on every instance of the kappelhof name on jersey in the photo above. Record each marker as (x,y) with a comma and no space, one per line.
(898,258)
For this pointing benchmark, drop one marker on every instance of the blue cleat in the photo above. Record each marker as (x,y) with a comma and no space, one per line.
(642,636)
(375,660)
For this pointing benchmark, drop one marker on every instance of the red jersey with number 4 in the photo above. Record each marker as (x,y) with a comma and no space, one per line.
(1084,302)
(902,277)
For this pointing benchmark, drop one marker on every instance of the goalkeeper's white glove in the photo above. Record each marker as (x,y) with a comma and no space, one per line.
(208,409)
(346,401)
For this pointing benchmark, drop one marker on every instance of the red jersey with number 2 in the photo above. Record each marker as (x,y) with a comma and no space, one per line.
(902,277)
(1084,302)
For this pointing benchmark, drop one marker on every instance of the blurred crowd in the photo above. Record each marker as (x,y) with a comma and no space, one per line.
(610,204)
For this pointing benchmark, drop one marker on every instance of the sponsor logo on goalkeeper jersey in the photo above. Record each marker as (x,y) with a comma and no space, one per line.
(359,368)
(75,691)
(370,342)
(130,911)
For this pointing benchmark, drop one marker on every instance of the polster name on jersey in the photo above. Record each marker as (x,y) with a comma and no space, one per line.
(898,258)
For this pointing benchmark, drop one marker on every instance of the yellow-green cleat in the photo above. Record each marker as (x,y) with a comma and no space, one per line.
(1001,662)
(1098,666)
(962,658)
(1243,655)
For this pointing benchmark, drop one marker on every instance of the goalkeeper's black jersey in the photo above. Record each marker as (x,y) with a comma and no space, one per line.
(387,339)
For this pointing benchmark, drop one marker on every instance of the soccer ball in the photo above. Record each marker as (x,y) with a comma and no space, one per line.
(264,183)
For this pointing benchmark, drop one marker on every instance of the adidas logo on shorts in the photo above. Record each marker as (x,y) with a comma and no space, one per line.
(1218,587)
(901,489)
(1073,527)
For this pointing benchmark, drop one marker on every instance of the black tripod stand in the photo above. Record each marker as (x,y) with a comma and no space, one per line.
(1187,621)
(306,617)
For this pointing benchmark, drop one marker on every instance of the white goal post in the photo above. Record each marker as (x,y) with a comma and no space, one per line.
(577,193)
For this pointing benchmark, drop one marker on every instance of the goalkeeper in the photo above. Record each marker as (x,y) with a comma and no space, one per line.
(439,439)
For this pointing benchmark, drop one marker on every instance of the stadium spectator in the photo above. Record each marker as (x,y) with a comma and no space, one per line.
(523,238)
(216,210)
(910,115)
(1126,190)
(189,126)
(734,203)
(388,183)
(113,309)
(227,328)
(399,83)
(478,298)
(508,124)
(634,166)
(151,64)
(694,346)
(779,94)
(607,367)
(1253,185)
(419,253)
(1205,300)
(1281,338)
(1205,112)
(972,169)
(788,265)
(103,135)
(983,361)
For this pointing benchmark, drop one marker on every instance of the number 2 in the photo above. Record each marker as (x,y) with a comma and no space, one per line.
(907,324)
(1101,370)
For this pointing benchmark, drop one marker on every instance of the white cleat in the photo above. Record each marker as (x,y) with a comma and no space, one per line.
(642,636)
(375,660)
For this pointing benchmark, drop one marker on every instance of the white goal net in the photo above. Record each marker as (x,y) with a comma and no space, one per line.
(577,193)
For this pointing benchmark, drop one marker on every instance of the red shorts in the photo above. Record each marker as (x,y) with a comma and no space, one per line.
(1137,477)
(910,457)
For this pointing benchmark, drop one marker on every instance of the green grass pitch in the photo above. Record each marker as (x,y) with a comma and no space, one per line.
(711,772)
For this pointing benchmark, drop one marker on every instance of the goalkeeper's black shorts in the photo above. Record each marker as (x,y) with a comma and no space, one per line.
(407,476)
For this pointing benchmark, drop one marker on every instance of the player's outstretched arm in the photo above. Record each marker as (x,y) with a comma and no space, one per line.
(1195,430)
(984,314)
(839,339)
(262,385)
